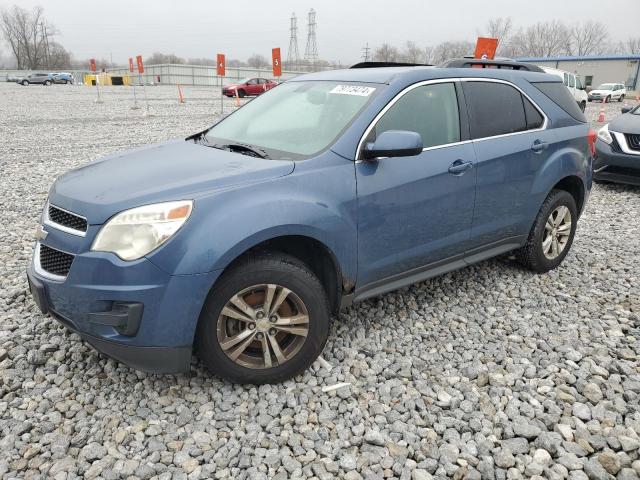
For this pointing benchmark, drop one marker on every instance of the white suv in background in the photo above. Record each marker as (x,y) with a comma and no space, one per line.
(609,92)
(573,83)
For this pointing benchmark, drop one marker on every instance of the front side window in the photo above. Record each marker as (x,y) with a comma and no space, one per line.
(579,83)
(495,109)
(430,110)
(295,120)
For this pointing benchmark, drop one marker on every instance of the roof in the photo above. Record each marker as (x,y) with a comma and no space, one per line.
(579,58)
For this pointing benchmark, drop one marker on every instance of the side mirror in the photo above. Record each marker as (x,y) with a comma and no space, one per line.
(625,109)
(394,143)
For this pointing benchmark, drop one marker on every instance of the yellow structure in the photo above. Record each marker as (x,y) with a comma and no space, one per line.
(106,79)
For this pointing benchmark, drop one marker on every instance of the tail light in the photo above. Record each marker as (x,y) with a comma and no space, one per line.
(592,136)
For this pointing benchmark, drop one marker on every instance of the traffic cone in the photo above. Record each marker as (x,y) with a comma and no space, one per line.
(237,98)
(601,115)
(180,94)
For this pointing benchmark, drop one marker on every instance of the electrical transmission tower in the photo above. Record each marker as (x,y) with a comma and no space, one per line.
(365,52)
(311,52)
(293,57)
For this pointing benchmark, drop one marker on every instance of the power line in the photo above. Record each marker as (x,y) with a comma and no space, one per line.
(293,56)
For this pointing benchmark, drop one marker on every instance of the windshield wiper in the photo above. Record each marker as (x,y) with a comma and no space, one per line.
(245,149)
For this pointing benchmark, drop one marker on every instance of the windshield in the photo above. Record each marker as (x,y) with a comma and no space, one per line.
(295,120)
(635,111)
(605,86)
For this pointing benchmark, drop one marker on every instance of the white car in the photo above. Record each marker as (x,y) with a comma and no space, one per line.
(608,92)
(573,83)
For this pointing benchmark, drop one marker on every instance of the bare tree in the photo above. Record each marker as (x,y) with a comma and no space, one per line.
(631,46)
(543,39)
(29,36)
(499,28)
(448,50)
(386,53)
(159,58)
(413,53)
(257,61)
(589,38)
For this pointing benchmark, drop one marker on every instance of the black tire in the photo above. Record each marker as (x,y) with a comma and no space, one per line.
(621,99)
(589,100)
(583,106)
(276,268)
(47,83)
(242,93)
(608,99)
(531,254)
(24,83)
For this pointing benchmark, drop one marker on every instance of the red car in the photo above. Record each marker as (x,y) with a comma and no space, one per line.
(248,86)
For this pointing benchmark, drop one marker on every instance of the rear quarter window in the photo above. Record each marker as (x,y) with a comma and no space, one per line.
(561,96)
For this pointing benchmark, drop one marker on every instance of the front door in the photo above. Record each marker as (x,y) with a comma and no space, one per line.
(414,211)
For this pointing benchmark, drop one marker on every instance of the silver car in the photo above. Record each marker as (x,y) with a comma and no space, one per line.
(36,78)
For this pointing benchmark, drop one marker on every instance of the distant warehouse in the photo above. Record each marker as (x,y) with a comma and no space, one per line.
(595,70)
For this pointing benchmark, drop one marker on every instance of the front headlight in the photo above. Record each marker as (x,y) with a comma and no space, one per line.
(134,233)
(604,135)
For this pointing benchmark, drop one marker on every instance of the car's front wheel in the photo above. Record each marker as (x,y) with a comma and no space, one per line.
(583,106)
(621,99)
(242,93)
(265,321)
(47,83)
(24,83)
(552,233)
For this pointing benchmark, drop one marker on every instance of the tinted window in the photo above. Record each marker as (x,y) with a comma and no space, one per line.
(494,109)
(430,110)
(561,97)
(566,79)
(572,82)
(533,116)
(579,84)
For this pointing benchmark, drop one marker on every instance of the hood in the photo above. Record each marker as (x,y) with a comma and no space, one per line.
(602,92)
(232,85)
(626,123)
(175,170)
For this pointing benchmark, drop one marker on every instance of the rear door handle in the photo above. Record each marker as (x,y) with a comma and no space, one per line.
(459,167)
(539,146)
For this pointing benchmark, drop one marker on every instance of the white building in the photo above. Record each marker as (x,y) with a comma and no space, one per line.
(595,70)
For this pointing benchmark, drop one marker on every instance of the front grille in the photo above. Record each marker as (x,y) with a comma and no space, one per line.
(633,140)
(66,219)
(54,261)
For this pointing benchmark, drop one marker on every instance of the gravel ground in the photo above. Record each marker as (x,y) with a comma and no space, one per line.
(490,372)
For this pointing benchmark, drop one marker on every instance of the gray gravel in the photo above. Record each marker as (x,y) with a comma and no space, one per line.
(490,372)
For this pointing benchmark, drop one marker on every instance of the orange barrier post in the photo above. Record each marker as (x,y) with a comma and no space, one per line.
(237,99)
(601,118)
(180,94)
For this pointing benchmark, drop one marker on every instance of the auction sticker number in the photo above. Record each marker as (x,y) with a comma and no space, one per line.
(353,90)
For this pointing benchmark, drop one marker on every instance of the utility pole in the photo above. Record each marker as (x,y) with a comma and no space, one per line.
(311,52)
(365,52)
(293,56)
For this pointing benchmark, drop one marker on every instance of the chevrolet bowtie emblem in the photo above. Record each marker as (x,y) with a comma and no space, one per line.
(41,233)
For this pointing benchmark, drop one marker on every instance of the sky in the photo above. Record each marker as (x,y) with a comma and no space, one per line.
(119,29)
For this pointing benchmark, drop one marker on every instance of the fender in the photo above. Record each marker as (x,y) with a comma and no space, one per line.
(317,200)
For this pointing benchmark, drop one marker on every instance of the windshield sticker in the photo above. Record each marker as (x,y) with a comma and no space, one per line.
(353,90)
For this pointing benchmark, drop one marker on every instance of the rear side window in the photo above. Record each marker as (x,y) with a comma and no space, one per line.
(572,82)
(561,97)
(430,110)
(498,109)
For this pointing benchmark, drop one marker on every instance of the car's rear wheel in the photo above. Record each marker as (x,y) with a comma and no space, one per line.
(265,321)
(242,93)
(552,233)
(47,83)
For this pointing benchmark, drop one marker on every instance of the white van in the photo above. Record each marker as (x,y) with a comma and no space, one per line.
(573,83)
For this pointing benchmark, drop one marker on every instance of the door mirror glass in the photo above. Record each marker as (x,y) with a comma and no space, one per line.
(394,143)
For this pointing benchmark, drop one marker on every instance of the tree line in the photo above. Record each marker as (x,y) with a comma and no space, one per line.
(542,39)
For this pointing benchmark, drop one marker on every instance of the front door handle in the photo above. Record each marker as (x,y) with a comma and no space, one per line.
(459,167)
(539,146)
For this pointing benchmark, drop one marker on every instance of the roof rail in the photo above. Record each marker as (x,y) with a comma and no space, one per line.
(388,64)
(504,64)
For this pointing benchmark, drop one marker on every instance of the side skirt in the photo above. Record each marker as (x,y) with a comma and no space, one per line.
(432,270)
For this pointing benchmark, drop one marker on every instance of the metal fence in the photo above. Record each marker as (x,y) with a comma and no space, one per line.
(170,74)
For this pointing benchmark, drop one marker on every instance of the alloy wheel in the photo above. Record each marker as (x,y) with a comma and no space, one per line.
(557,231)
(263,326)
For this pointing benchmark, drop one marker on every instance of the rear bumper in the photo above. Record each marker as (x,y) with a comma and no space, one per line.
(617,167)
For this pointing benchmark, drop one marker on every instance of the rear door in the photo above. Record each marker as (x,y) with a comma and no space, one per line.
(511,145)
(415,211)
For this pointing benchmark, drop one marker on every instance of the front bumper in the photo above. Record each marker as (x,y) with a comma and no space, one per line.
(131,311)
(614,166)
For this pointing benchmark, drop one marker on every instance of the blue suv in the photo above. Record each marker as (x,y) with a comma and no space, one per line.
(240,242)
